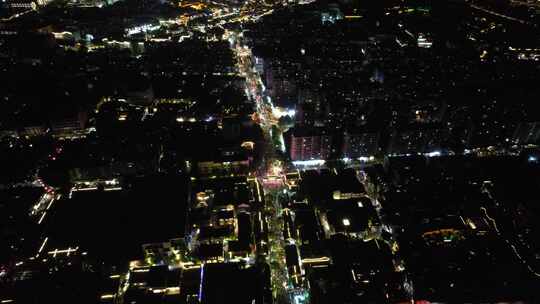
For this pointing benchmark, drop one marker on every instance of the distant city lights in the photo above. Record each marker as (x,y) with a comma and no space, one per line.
(433,154)
(279,112)
(308,163)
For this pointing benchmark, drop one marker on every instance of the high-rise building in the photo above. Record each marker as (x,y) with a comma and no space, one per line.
(19,4)
(310,143)
(527,133)
(357,144)
(22,5)
(422,140)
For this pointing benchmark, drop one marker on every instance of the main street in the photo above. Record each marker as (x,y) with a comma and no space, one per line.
(269,173)
(272,210)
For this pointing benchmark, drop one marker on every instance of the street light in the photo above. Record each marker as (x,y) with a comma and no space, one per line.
(346,222)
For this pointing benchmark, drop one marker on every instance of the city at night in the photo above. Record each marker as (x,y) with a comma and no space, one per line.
(269,151)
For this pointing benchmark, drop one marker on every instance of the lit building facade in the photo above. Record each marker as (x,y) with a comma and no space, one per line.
(310,144)
(359,144)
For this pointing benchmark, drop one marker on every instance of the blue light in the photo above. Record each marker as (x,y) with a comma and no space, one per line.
(433,154)
(201,283)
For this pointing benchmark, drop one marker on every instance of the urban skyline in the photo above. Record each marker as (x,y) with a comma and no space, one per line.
(288,152)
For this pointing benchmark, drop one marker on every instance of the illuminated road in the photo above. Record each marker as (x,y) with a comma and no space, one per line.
(276,254)
(374,196)
(270,171)
(15,16)
(509,243)
(526,3)
(498,14)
